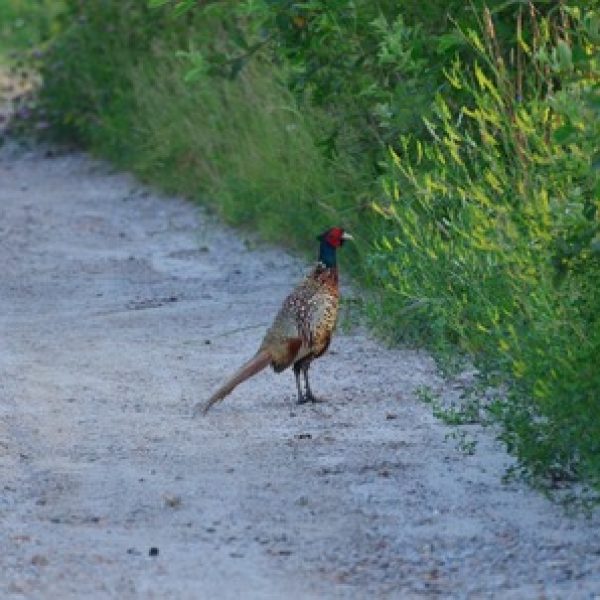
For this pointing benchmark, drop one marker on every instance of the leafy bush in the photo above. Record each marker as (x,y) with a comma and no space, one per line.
(87,71)
(25,24)
(375,66)
(494,239)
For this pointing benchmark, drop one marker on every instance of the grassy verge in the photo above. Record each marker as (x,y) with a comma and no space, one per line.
(249,148)
(24,24)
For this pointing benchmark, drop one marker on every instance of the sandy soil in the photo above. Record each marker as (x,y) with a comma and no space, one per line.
(119,310)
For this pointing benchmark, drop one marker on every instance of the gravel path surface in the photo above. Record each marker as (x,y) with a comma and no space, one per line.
(119,310)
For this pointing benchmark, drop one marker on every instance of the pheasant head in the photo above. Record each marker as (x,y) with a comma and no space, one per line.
(331,240)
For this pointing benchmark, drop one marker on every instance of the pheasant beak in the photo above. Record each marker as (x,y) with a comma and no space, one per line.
(346,236)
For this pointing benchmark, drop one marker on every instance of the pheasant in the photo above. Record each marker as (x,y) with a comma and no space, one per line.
(302,328)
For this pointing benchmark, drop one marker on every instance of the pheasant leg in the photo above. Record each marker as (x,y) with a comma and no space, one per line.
(302,398)
(309,395)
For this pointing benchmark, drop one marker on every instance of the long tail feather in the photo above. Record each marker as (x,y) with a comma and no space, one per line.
(253,366)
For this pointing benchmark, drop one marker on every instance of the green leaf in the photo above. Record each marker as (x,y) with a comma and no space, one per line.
(184,6)
(449,41)
(564,55)
(564,133)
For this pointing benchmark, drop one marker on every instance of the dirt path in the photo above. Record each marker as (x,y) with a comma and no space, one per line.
(118,311)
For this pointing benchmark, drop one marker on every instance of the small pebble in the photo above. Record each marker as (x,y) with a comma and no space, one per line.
(172,501)
(39,560)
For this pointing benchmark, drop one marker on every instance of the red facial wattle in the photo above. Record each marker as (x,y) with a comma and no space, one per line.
(335,236)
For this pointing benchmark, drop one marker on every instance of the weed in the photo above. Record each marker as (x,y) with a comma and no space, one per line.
(425,394)
(464,442)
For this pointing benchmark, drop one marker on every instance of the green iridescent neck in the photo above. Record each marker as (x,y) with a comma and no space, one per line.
(327,255)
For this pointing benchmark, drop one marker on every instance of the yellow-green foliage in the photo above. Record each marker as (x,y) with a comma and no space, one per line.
(494,241)
(24,24)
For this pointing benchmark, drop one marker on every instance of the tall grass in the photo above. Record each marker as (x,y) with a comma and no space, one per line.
(242,144)
(24,24)
(494,240)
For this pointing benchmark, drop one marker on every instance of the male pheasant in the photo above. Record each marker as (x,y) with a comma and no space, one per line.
(302,328)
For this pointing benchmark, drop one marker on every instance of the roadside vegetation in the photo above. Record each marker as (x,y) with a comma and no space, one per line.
(25,24)
(458,141)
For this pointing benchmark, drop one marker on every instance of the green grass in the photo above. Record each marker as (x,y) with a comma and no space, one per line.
(242,145)
(24,24)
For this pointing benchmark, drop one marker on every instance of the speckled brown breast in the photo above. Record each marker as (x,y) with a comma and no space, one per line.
(324,317)
(305,322)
